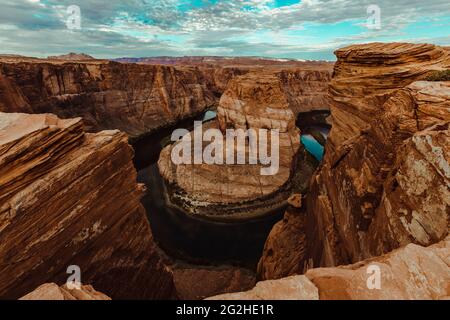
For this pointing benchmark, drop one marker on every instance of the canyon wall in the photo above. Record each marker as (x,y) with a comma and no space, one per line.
(307,89)
(384,181)
(71,198)
(135,98)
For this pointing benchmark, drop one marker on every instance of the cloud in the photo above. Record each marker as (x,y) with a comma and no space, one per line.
(308,28)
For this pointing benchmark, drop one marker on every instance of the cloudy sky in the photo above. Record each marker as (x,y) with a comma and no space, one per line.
(306,29)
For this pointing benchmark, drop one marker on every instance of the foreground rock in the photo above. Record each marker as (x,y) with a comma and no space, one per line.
(293,288)
(253,101)
(51,291)
(410,273)
(70,198)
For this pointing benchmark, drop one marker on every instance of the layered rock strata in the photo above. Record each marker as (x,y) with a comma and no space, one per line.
(70,198)
(410,273)
(307,89)
(139,98)
(136,99)
(253,101)
(384,182)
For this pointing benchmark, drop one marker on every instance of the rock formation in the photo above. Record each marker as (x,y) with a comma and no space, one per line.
(384,181)
(71,198)
(252,101)
(51,291)
(307,89)
(410,273)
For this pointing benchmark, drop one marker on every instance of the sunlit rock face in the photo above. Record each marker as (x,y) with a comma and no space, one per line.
(384,181)
(253,101)
(366,75)
(53,292)
(68,198)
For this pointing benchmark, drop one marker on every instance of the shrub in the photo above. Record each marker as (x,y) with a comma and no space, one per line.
(443,75)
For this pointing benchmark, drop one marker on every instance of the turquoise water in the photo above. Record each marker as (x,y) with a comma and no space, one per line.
(313,146)
(209,115)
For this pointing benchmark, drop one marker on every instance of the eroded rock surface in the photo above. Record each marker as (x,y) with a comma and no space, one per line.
(51,291)
(410,273)
(136,99)
(71,198)
(384,179)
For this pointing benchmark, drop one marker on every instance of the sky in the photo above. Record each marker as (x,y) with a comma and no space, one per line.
(306,29)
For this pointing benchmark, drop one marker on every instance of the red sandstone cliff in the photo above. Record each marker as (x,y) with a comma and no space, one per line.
(135,98)
(384,181)
(71,198)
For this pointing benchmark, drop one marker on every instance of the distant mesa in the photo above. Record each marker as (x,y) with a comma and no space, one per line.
(225,61)
(72,57)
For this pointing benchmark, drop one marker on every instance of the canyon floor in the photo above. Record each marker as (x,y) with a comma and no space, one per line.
(359,208)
